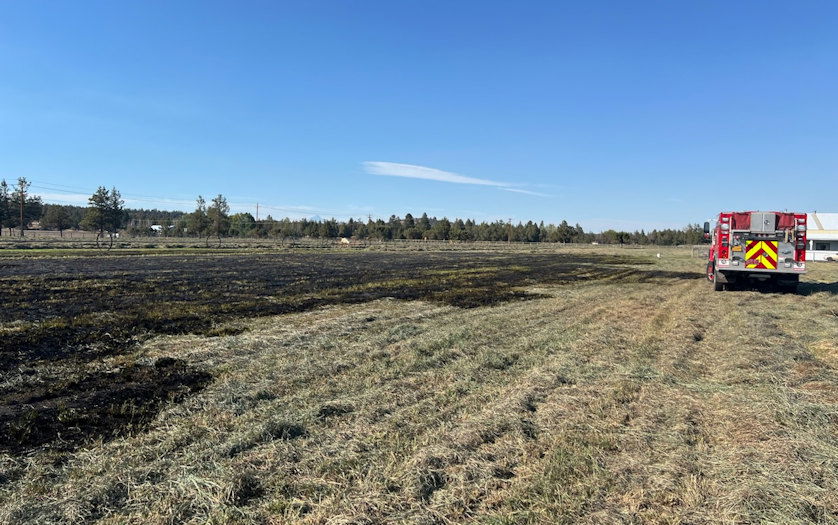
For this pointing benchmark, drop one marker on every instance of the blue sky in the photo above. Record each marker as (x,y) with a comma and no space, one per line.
(610,114)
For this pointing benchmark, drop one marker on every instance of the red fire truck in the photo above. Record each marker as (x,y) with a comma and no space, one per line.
(764,247)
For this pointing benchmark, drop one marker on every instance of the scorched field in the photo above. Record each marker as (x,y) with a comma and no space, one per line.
(581,386)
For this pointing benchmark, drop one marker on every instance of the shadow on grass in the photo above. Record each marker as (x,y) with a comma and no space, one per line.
(810,288)
(802,289)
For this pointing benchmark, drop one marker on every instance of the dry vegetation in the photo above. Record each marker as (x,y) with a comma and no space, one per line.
(623,390)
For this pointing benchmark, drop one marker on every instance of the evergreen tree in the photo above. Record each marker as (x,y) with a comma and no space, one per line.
(328,229)
(564,232)
(442,229)
(458,231)
(5,205)
(346,229)
(105,213)
(26,207)
(116,216)
(423,224)
(95,219)
(242,225)
(395,228)
(218,216)
(198,222)
(56,218)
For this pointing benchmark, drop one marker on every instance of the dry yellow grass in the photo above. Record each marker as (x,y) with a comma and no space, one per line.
(605,402)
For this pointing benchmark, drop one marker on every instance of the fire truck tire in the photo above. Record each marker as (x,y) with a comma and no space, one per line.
(713,277)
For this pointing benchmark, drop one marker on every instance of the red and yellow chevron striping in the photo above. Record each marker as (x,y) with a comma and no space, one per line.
(761,255)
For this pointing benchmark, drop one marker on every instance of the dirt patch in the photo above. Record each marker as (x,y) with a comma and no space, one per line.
(107,404)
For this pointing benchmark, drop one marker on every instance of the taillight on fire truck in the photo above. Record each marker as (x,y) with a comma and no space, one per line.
(724,236)
(800,239)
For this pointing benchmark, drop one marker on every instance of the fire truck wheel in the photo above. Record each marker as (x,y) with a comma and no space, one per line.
(719,281)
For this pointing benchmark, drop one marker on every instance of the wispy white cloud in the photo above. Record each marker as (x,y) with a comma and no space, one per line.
(412,171)
(63,198)
(527,192)
(395,169)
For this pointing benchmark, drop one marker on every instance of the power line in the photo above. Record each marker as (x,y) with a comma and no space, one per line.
(131,196)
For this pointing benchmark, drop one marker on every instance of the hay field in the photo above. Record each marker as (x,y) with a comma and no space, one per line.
(583,386)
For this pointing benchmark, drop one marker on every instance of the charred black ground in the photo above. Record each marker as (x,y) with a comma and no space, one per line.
(68,411)
(61,315)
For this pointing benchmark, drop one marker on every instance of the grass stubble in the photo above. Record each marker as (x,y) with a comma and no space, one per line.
(604,401)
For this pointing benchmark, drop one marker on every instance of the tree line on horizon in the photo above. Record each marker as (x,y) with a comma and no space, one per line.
(106,215)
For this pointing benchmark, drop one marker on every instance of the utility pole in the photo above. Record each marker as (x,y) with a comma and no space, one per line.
(509,232)
(257,212)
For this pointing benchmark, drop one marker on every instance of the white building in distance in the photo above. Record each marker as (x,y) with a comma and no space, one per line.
(822,234)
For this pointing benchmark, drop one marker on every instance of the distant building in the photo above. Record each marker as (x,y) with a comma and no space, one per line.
(822,234)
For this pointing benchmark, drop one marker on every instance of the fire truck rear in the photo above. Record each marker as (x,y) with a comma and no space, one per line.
(764,247)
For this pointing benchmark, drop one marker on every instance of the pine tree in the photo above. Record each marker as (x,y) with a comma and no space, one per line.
(423,224)
(105,213)
(218,216)
(198,223)
(95,218)
(5,205)
(19,198)
(56,218)
(115,214)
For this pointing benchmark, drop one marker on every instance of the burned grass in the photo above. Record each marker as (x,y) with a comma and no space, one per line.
(635,398)
(60,308)
(65,313)
(62,412)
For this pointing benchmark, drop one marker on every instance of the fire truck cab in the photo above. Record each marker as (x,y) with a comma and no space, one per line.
(763,247)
